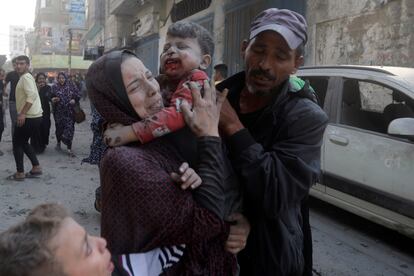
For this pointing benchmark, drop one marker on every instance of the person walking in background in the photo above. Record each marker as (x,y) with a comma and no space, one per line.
(220,73)
(12,77)
(40,138)
(29,118)
(2,87)
(64,96)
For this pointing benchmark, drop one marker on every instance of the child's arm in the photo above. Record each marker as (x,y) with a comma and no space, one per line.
(117,135)
(169,119)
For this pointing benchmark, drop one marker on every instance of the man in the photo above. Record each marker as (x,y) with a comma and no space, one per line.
(29,118)
(220,73)
(13,78)
(2,74)
(274,130)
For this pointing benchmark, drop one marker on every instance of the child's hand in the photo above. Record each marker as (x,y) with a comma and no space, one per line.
(118,135)
(187,177)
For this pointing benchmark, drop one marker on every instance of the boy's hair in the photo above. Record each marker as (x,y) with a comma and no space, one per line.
(185,29)
(222,68)
(24,247)
(23,57)
(14,60)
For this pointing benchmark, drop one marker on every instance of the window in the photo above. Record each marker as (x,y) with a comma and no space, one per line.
(45,3)
(372,106)
(320,85)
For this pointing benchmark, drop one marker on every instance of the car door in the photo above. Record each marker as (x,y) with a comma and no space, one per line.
(360,158)
(324,86)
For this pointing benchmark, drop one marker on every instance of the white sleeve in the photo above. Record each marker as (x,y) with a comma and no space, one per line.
(154,262)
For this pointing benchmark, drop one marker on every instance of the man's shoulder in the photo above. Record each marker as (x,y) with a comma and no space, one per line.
(28,77)
(12,75)
(301,104)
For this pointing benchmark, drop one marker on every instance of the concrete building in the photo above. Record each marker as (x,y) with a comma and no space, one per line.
(95,22)
(365,32)
(56,21)
(370,32)
(17,41)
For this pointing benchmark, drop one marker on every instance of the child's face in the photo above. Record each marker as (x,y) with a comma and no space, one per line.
(79,253)
(181,55)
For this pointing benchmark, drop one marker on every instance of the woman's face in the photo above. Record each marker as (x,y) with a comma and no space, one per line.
(41,81)
(142,88)
(61,79)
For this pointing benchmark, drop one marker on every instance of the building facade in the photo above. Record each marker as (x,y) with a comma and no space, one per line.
(59,29)
(17,41)
(366,32)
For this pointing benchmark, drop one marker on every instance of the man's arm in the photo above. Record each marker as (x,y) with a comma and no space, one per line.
(21,118)
(276,177)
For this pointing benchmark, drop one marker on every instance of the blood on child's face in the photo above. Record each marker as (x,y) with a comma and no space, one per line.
(180,56)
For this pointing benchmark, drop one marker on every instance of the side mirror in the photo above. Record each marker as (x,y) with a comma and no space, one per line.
(403,127)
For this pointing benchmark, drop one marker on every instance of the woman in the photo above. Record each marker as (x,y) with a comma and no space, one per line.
(40,139)
(141,207)
(64,97)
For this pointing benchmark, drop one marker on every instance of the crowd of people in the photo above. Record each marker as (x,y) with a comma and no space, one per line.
(30,101)
(196,179)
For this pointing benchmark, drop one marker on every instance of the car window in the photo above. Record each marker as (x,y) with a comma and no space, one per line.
(320,85)
(372,106)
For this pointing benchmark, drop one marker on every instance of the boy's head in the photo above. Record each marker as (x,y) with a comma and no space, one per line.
(187,46)
(50,242)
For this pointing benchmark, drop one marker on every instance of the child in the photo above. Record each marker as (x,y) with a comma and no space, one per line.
(187,49)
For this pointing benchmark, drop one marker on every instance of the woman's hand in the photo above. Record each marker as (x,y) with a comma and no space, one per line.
(72,102)
(239,231)
(118,135)
(55,99)
(204,117)
(186,177)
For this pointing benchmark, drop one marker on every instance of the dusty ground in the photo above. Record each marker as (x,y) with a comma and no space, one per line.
(64,179)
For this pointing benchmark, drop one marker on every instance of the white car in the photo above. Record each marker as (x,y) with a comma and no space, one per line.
(367,161)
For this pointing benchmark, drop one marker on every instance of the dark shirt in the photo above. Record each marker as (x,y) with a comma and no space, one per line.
(44,94)
(13,78)
(277,157)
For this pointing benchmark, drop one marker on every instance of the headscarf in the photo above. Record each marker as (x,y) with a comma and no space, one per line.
(107,91)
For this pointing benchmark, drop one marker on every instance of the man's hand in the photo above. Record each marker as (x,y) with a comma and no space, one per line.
(118,135)
(229,121)
(186,177)
(238,233)
(72,102)
(21,118)
(55,99)
(203,119)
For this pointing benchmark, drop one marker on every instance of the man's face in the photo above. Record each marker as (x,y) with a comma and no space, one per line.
(2,75)
(268,62)
(181,55)
(21,66)
(217,76)
(80,254)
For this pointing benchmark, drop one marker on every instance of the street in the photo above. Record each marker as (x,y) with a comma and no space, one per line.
(343,243)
